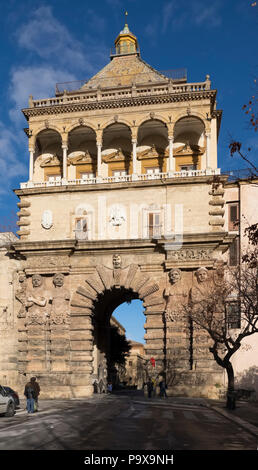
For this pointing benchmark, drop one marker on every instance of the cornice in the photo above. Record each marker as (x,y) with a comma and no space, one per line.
(120,103)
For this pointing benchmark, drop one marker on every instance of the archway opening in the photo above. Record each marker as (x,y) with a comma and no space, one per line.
(118,348)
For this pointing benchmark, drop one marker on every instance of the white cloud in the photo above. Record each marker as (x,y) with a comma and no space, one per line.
(38,81)
(51,41)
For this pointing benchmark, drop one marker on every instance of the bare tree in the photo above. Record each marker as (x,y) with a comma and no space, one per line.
(228,312)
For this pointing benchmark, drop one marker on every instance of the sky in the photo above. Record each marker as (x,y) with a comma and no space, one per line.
(45,42)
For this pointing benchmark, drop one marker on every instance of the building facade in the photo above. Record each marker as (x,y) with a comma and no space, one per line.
(124,200)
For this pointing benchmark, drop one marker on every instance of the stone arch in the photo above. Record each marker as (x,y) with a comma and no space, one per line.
(156,117)
(194,114)
(117,121)
(106,281)
(84,124)
(50,127)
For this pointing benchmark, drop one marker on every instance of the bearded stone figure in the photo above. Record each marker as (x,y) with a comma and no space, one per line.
(21,295)
(60,298)
(176,295)
(36,302)
(202,288)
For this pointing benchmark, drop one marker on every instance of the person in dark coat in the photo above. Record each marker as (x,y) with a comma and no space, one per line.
(149,388)
(163,386)
(36,387)
(29,393)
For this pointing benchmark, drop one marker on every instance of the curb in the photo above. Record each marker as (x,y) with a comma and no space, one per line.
(244,424)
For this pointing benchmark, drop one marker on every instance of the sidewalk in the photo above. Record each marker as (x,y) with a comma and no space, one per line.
(245,413)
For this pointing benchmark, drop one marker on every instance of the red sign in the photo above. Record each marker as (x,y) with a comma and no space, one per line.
(153,362)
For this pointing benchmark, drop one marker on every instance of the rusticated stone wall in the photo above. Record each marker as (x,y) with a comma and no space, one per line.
(62,304)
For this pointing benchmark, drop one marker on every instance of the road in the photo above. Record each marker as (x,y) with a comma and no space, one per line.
(122,422)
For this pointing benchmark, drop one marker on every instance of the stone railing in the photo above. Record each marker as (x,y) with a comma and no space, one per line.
(122,179)
(121,92)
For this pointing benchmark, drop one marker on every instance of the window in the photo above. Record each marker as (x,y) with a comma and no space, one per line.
(233,314)
(153,172)
(53,178)
(81,229)
(118,173)
(234,252)
(187,167)
(86,176)
(233,216)
(154,225)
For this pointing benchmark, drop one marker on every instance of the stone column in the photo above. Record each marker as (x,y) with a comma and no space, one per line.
(99,148)
(171,162)
(31,169)
(208,138)
(65,148)
(134,144)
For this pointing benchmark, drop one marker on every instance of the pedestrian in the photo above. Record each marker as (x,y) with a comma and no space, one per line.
(149,388)
(154,383)
(29,393)
(37,392)
(109,387)
(163,386)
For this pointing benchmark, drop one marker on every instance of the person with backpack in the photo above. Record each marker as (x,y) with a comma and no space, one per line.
(30,394)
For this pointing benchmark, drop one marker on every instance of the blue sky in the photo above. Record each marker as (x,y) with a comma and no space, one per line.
(45,42)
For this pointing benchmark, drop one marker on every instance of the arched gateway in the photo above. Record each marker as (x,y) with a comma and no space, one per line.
(124,200)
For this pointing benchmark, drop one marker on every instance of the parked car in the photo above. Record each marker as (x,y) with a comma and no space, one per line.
(13,394)
(7,405)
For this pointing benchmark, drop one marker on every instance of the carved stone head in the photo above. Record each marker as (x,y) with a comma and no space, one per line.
(21,277)
(58,280)
(174,275)
(36,280)
(202,275)
(116,261)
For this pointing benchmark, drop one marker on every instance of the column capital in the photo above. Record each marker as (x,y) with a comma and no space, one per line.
(65,145)
(99,134)
(134,140)
(171,137)
(99,143)
(32,148)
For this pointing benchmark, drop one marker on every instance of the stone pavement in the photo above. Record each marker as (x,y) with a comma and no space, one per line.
(245,413)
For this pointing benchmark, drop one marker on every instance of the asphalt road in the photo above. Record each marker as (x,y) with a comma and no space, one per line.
(122,422)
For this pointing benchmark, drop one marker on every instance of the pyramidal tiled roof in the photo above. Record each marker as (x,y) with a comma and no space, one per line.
(125,71)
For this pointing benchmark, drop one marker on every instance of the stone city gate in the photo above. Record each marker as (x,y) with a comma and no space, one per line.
(62,321)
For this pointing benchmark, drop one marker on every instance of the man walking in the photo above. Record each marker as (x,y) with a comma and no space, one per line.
(30,395)
(36,387)
(162,386)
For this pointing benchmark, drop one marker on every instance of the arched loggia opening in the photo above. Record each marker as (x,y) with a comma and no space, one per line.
(48,156)
(152,147)
(82,153)
(117,149)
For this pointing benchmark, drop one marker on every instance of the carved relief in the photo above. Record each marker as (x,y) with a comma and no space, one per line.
(47,219)
(79,159)
(36,302)
(115,155)
(117,215)
(201,286)
(117,270)
(60,298)
(52,160)
(176,295)
(20,294)
(190,254)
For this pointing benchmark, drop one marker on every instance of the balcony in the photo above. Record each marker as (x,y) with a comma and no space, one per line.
(122,178)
